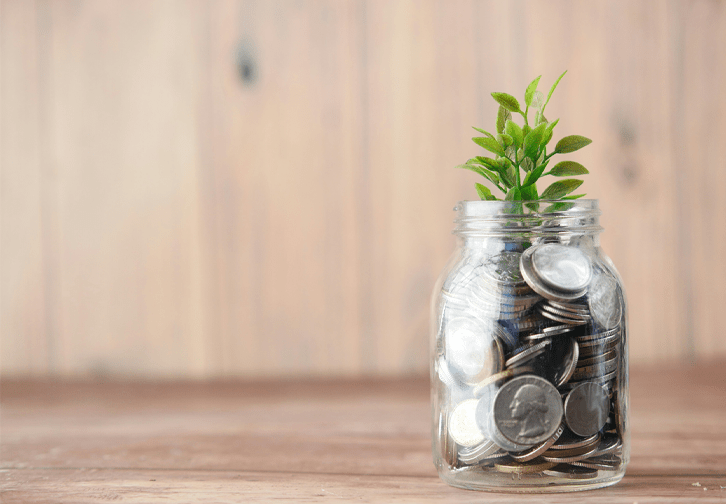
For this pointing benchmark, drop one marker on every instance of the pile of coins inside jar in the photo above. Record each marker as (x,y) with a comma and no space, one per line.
(529,351)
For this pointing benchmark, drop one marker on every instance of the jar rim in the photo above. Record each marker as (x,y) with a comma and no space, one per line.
(486,207)
(481,217)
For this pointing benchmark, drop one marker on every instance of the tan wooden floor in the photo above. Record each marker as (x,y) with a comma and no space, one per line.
(365,441)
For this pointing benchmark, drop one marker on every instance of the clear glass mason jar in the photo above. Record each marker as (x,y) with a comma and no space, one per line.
(529,352)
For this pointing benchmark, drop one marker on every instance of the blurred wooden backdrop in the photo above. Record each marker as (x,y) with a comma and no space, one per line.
(198,189)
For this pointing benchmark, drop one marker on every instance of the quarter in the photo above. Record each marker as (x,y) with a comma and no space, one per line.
(527,410)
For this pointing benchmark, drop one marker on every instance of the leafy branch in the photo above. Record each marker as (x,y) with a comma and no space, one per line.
(520,152)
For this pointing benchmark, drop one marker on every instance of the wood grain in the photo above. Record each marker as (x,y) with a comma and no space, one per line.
(316,440)
(264,188)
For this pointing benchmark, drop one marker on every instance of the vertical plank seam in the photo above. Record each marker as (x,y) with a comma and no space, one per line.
(48,182)
(368,341)
(683,247)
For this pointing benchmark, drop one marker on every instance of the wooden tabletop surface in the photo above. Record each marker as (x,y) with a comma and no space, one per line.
(316,441)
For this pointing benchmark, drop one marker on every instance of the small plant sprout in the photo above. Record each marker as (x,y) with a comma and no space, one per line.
(519,156)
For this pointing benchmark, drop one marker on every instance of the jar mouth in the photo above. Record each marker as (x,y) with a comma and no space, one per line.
(543,217)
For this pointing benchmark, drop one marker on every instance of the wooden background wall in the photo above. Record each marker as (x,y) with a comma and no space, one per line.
(196,188)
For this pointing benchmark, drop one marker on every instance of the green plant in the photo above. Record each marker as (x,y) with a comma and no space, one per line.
(521,151)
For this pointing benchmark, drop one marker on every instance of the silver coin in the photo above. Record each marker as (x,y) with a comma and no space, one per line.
(536,451)
(564,373)
(527,354)
(563,458)
(475,454)
(503,269)
(604,301)
(599,336)
(527,410)
(562,268)
(596,359)
(463,427)
(598,342)
(563,313)
(537,285)
(568,443)
(558,329)
(558,318)
(472,349)
(608,446)
(601,463)
(442,371)
(586,409)
(579,309)
(571,472)
(593,370)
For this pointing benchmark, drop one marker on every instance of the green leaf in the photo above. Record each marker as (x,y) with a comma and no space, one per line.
(484,172)
(558,207)
(483,132)
(489,162)
(552,90)
(571,144)
(527,165)
(539,118)
(507,101)
(509,176)
(561,188)
(503,115)
(513,195)
(567,168)
(548,132)
(533,140)
(489,144)
(529,193)
(504,140)
(513,130)
(484,192)
(526,129)
(535,174)
(530,91)
(572,197)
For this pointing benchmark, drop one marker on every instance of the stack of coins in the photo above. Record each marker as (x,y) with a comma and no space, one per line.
(531,361)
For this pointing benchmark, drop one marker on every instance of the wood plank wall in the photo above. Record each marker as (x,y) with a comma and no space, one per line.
(196,189)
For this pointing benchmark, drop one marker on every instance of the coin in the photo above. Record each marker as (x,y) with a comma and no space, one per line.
(604,301)
(475,454)
(472,349)
(568,443)
(586,409)
(568,366)
(507,373)
(579,309)
(549,308)
(603,357)
(558,329)
(527,354)
(594,370)
(608,445)
(559,318)
(523,467)
(562,458)
(463,427)
(562,268)
(599,336)
(503,269)
(536,451)
(535,282)
(527,410)
(571,472)
(602,463)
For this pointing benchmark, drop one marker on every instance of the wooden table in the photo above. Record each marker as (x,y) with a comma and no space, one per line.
(316,441)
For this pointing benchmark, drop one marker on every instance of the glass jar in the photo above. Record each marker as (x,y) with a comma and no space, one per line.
(529,351)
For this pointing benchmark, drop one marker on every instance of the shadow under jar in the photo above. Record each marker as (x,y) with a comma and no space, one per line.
(529,352)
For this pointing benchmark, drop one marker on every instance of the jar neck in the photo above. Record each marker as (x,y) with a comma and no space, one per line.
(560,221)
